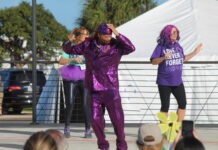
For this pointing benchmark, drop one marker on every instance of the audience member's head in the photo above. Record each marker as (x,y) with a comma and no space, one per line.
(40,141)
(80,34)
(149,137)
(189,143)
(58,137)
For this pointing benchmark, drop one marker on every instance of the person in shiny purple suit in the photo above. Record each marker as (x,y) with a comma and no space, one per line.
(103,53)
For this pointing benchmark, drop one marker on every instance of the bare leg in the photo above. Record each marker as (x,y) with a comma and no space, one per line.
(181,114)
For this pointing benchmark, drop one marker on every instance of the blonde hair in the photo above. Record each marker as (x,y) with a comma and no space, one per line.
(84,29)
(77,32)
(59,138)
(40,141)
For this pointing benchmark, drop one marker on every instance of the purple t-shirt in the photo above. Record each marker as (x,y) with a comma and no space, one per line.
(169,70)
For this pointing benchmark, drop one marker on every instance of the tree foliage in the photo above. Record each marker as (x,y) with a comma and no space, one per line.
(16,24)
(112,11)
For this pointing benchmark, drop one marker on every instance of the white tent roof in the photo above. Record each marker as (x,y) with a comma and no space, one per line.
(197,21)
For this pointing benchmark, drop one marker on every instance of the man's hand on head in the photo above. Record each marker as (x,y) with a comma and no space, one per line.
(71,37)
(111,26)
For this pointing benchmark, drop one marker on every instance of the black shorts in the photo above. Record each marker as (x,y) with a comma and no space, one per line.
(177,91)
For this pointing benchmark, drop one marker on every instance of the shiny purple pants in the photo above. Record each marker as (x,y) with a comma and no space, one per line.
(99,100)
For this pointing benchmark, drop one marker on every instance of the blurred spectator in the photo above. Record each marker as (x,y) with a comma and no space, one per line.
(59,138)
(40,141)
(150,137)
(189,143)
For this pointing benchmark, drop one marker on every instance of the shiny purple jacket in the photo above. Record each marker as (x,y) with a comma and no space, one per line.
(101,63)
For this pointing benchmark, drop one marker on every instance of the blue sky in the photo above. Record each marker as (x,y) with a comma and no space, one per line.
(65,11)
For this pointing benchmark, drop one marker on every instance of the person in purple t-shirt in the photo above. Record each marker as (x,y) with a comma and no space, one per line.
(169,55)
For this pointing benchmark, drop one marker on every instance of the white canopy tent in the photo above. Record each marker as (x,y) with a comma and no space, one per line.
(197,21)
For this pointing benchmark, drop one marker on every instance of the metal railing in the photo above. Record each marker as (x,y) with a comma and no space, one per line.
(139,92)
(140,95)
